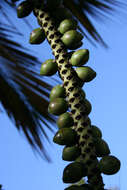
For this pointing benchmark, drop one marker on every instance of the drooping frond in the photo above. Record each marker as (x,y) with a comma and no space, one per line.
(23,93)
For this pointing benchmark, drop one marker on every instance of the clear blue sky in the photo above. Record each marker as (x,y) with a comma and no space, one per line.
(21,169)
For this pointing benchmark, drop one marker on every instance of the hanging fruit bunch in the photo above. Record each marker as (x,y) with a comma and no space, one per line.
(82,142)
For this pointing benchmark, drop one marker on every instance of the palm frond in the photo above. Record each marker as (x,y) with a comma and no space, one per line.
(98,9)
(24,93)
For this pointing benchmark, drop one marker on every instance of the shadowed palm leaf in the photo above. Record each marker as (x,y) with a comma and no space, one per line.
(23,93)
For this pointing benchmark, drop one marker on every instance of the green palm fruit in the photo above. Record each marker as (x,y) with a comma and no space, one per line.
(37,36)
(109,165)
(66,25)
(88,106)
(71,38)
(101,147)
(57,106)
(24,9)
(86,187)
(83,94)
(96,132)
(71,153)
(65,120)
(85,73)
(77,187)
(65,136)
(75,46)
(73,172)
(51,4)
(72,187)
(48,68)
(80,57)
(57,92)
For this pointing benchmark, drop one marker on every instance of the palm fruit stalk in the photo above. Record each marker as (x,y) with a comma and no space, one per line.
(73,94)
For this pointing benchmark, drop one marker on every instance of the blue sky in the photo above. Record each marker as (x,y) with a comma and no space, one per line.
(22,169)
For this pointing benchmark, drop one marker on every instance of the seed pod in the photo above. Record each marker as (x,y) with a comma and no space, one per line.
(85,73)
(66,25)
(48,68)
(24,9)
(73,172)
(88,106)
(71,153)
(37,36)
(57,106)
(101,147)
(71,38)
(65,136)
(57,92)
(65,120)
(96,132)
(109,165)
(80,57)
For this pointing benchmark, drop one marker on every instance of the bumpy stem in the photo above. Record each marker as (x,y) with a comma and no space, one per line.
(74,98)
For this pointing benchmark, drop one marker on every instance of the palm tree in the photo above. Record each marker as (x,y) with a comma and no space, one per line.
(22,87)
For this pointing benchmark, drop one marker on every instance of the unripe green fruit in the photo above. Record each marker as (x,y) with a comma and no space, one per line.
(24,9)
(71,153)
(72,187)
(48,68)
(101,147)
(75,46)
(71,38)
(57,106)
(57,92)
(109,165)
(37,36)
(88,106)
(96,132)
(80,57)
(86,74)
(66,25)
(65,136)
(83,94)
(65,120)
(73,172)
(77,187)
(86,187)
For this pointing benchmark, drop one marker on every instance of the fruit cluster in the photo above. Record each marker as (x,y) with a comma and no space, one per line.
(83,141)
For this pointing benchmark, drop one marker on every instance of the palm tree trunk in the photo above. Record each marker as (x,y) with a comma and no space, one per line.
(76,103)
